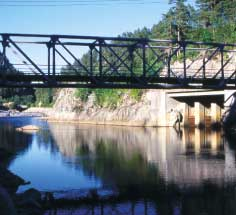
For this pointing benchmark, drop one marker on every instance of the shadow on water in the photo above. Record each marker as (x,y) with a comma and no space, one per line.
(150,170)
(12,141)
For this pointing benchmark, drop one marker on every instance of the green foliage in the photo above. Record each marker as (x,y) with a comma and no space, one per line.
(83,93)
(180,19)
(16,100)
(217,18)
(44,97)
(109,98)
(136,94)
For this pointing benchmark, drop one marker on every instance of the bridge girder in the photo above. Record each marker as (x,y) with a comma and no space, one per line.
(114,62)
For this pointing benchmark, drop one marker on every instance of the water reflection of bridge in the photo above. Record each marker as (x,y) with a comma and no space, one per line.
(186,158)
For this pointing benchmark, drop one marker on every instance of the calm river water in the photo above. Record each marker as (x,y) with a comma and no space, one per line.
(186,172)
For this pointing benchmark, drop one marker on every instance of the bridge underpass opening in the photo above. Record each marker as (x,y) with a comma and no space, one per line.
(200,108)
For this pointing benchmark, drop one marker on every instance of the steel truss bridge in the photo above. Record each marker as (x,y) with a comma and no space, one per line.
(35,60)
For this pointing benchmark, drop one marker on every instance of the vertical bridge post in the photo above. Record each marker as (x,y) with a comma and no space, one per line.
(53,43)
(100,58)
(144,58)
(4,46)
(91,47)
(49,58)
(184,60)
(222,61)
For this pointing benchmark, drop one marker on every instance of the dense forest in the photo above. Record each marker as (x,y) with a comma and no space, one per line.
(206,20)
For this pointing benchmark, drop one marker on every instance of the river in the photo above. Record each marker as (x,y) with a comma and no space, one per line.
(190,171)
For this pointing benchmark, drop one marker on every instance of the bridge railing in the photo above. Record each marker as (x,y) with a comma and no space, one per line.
(85,61)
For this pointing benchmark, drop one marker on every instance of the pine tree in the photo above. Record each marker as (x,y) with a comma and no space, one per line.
(180,16)
(218,16)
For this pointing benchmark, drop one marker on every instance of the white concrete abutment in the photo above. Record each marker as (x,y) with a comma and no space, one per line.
(198,107)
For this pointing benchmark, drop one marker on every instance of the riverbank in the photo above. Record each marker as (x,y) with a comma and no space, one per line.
(12,203)
(149,110)
(14,113)
(155,108)
(69,117)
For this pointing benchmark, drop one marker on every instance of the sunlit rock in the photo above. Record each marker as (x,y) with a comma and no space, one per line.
(28,128)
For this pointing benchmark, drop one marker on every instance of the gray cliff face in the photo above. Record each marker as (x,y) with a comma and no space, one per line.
(149,111)
(66,101)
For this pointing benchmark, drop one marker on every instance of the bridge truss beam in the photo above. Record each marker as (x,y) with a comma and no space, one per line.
(34,60)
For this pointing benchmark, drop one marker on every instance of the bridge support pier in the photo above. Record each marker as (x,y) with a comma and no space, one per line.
(215,142)
(215,113)
(199,112)
(185,111)
(198,140)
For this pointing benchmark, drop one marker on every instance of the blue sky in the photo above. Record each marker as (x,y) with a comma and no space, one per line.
(109,20)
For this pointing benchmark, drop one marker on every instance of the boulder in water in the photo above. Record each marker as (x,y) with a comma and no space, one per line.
(28,128)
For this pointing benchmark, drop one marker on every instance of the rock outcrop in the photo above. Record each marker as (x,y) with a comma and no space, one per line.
(150,110)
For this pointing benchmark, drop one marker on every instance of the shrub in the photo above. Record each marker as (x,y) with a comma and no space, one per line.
(136,94)
(108,97)
(44,97)
(83,93)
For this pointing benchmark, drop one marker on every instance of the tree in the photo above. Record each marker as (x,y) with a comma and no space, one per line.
(218,17)
(180,19)
(44,97)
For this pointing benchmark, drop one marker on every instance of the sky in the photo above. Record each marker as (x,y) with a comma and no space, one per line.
(96,18)
(109,19)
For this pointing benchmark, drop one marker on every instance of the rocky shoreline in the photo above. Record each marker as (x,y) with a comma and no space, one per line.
(146,112)
(12,203)
(34,202)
